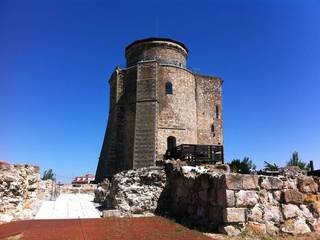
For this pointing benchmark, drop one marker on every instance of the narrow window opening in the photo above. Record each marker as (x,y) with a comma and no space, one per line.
(217,111)
(212,129)
(169,88)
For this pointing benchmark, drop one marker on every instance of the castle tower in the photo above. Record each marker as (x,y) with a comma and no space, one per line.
(157,103)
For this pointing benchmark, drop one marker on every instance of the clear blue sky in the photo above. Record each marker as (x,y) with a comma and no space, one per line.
(57,56)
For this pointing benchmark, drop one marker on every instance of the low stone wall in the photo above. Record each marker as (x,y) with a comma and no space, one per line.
(19,186)
(213,199)
(233,203)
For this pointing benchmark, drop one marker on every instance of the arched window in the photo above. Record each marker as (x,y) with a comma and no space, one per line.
(169,88)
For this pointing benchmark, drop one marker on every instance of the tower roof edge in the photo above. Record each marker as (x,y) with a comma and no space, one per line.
(151,39)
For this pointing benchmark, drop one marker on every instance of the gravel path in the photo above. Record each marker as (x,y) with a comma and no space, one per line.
(69,206)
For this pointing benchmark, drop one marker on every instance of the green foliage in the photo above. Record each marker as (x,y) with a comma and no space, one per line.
(271,167)
(242,166)
(48,174)
(296,161)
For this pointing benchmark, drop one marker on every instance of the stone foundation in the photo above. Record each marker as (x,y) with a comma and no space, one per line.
(211,198)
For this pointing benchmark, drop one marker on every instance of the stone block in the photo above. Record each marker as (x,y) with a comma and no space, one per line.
(295,226)
(234,215)
(271,229)
(250,181)
(256,229)
(111,213)
(277,195)
(307,185)
(233,181)
(225,198)
(246,198)
(264,196)
(229,230)
(272,214)
(306,213)
(292,196)
(310,198)
(291,211)
(231,201)
(271,183)
(315,208)
(255,214)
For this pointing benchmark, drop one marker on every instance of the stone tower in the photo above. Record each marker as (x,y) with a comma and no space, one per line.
(156,101)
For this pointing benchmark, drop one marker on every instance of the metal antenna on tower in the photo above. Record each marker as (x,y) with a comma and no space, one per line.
(156,25)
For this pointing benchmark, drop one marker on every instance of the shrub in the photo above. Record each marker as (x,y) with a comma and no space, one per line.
(242,166)
(296,161)
(271,167)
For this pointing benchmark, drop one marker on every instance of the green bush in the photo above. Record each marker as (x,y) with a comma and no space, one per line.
(242,166)
(296,161)
(271,167)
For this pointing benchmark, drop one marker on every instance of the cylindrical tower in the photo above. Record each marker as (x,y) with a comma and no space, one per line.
(163,50)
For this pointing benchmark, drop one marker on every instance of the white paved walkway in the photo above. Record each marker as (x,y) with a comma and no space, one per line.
(68,206)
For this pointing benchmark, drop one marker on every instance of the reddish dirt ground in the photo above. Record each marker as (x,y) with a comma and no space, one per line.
(143,228)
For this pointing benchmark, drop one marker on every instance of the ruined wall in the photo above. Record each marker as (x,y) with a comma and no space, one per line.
(211,198)
(209,110)
(232,203)
(177,111)
(19,191)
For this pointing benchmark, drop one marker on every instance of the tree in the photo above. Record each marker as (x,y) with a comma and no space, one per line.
(48,174)
(271,167)
(296,161)
(242,166)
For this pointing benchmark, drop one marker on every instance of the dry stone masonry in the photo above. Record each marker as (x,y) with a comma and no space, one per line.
(19,186)
(212,198)
(133,191)
(22,191)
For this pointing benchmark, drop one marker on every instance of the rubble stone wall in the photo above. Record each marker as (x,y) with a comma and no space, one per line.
(211,198)
(232,202)
(19,186)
